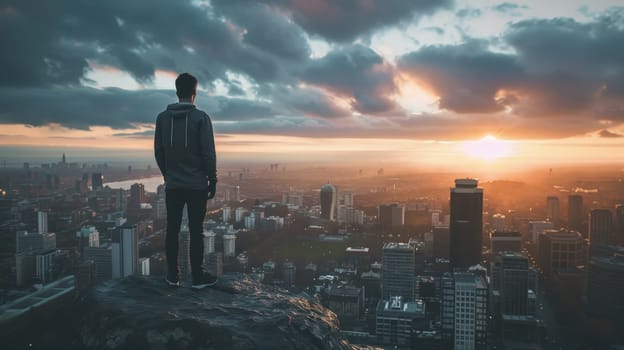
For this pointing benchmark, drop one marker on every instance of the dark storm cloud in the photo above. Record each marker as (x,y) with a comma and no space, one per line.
(238,109)
(466,77)
(357,73)
(345,20)
(266,29)
(81,107)
(559,68)
(609,134)
(309,102)
(50,42)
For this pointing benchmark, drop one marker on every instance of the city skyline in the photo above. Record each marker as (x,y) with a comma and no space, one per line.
(498,84)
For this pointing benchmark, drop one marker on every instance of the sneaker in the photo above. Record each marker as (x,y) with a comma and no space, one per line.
(173,280)
(203,281)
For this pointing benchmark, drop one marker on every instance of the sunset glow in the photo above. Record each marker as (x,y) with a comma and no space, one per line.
(488,148)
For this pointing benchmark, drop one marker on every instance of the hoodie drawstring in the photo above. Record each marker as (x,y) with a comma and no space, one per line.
(186,131)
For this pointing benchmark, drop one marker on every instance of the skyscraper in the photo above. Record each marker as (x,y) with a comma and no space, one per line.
(348,199)
(391,215)
(42,222)
(464,310)
(125,252)
(466,226)
(97,181)
(552,209)
(510,272)
(575,212)
(328,202)
(560,250)
(397,271)
(605,287)
(229,245)
(600,226)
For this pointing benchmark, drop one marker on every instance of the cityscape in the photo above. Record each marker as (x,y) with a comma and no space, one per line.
(312,174)
(404,259)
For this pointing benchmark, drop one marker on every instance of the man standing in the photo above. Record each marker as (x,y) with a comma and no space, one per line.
(185,152)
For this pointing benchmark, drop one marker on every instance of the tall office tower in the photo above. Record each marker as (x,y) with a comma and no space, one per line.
(619,225)
(498,222)
(103,258)
(466,226)
(391,215)
(600,226)
(44,264)
(125,252)
(537,227)
(464,310)
(97,181)
(289,271)
(226,214)
(292,199)
(229,245)
(575,212)
(397,271)
(328,202)
(441,242)
(605,287)
(560,250)
(144,266)
(239,214)
(510,277)
(215,264)
(24,268)
(348,199)
(160,204)
(209,242)
(137,196)
(88,236)
(42,222)
(25,242)
(237,196)
(552,209)
(506,241)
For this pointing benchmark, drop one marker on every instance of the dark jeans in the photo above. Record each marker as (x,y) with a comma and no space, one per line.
(195,201)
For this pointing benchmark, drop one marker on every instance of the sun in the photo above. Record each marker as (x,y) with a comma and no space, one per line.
(488,148)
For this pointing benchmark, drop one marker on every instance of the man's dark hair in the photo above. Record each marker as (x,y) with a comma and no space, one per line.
(186,85)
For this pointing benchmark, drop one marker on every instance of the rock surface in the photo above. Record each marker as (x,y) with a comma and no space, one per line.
(238,313)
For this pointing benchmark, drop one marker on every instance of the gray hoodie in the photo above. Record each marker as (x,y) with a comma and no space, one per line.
(184,147)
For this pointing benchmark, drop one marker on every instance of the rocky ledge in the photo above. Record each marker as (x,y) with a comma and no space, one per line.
(143,313)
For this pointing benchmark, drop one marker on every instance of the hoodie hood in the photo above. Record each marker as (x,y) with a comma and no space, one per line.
(179,111)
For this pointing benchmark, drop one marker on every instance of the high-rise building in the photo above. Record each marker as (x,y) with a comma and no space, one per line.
(214,265)
(348,199)
(506,241)
(441,242)
(44,264)
(605,287)
(465,310)
(397,271)
(536,228)
(25,241)
(144,266)
(89,236)
(292,199)
(209,242)
(466,227)
(226,215)
(97,181)
(498,222)
(102,256)
(391,216)
(229,245)
(42,222)
(560,251)
(396,319)
(618,237)
(125,251)
(328,202)
(239,214)
(552,209)
(575,212)
(289,271)
(160,204)
(237,196)
(24,268)
(600,227)
(510,277)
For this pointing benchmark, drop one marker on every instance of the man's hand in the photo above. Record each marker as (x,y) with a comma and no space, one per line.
(212,189)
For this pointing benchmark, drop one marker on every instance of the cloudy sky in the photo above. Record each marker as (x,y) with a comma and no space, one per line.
(289,76)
